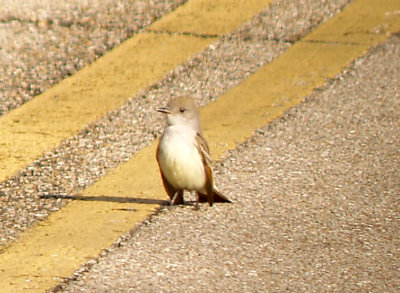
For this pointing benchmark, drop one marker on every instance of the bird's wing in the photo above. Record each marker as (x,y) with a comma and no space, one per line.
(204,150)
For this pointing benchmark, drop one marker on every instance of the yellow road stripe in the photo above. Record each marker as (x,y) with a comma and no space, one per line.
(52,249)
(284,82)
(209,17)
(41,124)
(88,226)
(365,23)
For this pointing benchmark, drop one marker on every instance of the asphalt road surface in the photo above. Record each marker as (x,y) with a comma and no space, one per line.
(315,192)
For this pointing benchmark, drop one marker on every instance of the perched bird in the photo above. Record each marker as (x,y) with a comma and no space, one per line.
(183,154)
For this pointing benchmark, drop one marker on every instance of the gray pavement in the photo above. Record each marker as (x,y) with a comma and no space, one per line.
(316,193)
(315,204)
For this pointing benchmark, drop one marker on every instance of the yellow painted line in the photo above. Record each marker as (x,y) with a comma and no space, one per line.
(68,238)
(305,66)
(209,17)
(57,246)
(44,122)
(365,23)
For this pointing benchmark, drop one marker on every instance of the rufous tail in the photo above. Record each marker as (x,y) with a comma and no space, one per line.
(218,197)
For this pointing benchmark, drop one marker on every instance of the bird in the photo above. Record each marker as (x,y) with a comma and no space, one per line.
(183,154)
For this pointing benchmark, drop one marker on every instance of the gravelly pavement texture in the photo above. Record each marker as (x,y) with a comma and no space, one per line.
(315,204)
(316,193)
(115,138)
(43,41)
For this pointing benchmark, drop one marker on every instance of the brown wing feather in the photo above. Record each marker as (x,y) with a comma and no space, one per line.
(212,194)
(204,150)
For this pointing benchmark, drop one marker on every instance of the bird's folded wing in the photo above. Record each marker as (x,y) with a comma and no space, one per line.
(202,147)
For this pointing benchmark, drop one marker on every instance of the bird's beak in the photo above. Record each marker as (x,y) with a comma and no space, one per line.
(164,110)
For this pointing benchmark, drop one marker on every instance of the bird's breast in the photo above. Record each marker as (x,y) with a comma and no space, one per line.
(179,159)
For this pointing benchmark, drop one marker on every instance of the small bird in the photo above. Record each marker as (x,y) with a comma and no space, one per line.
(183,154)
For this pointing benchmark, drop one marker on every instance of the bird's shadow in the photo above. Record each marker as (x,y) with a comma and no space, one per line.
(105,198)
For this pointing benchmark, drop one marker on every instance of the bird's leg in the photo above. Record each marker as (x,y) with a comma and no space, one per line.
(196,206)
(174,198)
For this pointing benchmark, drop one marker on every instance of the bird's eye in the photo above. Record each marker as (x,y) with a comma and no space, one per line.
(181,110)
